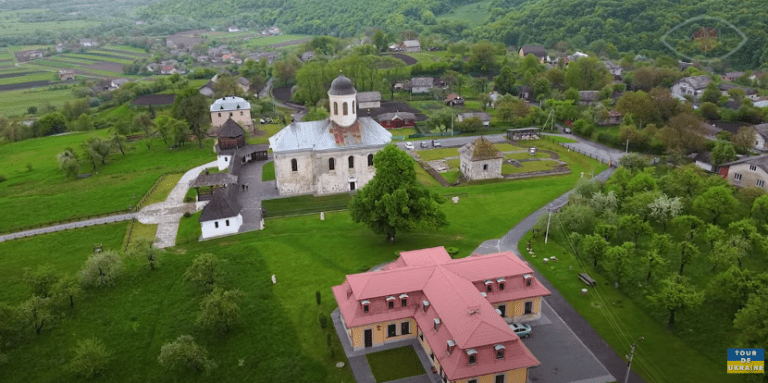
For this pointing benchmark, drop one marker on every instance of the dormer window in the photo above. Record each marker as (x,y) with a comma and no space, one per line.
(501,282)
(499,351)
(472,356)
(424,305)
(366,303)
(391,302)
(437,324)
(451,345)
(527,278)
(484,295)
(488,285)
(403,300)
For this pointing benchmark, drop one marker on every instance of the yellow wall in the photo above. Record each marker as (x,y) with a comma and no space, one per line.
(517,308)
(514,376)
(748,177)
(357,334)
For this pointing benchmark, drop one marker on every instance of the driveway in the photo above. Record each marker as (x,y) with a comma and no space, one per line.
(250,200)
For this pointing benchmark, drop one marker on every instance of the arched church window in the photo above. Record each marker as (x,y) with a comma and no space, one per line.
(335,108)
(294,165)
(331,164)
(346,108)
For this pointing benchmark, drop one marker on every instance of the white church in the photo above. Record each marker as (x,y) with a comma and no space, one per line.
(334,155)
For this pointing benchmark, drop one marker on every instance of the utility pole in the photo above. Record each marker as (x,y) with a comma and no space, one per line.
(546,235)
(631,355)
(627,149)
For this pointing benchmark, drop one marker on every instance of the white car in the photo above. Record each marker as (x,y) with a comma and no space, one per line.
(409,145)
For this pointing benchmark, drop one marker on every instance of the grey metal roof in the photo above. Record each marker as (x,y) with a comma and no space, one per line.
(536,50)
(319,135)
(396,115)
(223,204)
(230,103)
(422,81)
(734,74)
(411,43)
(213,179)
(697,82)
(368,97)
(341,86)
(483,116)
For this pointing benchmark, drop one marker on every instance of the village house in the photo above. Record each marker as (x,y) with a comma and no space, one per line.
(207,89)
(746,172)
(761,136)
(232,107)
(330,156)
(703,160)
(66,74)
(748,92)
(731,76)
(453,100)
(411,46)
(536,50)
(244,84)
(421,84)
(368,100)
(118,82)
(231,146)
(484,117)
(396,120)
(458,309)
(88,43)
(480,160)
(615,69)
(221,215)
(691,86)
(588,97)
(614,118)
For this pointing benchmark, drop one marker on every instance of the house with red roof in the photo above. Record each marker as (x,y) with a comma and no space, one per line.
(459,309)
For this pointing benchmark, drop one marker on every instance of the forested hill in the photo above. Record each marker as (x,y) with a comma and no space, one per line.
(623,25)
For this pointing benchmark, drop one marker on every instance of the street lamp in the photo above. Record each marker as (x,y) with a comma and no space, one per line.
(631,355)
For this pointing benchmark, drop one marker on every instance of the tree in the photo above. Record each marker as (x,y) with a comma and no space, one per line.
(688,252)
(665,104)
(618,260)
(52,123)
(664,209)
(542,87)
(470,125)
(68,163)
(482,56)
(722,253)
(709,111)
(441,120)
(711,94)
(587,74)
(68,287)
(639,105)
(316,114)
(91,357)
(655,261)
(225,85)
(576,217)
(84,122)
(205,270)
(593,247)
(143,122)
(723,152)
(144,248)
(749,323)
(118,140)
(715,202)
(744,138)
(505,81)
(676,294)
(639,203)
(684,133)
(192,107)
(760,209)
(606,231)
(634,225)
(96,151)
(633,162)
(393,201)
(101,269)
(42,281)
(380,40)
(184,352)
(219,309)
(35,312)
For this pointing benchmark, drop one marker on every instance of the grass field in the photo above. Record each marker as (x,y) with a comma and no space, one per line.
(528,167)
(473,14)
(16,102)
(27,78)
(526,155)
(127,48)
(11,25)
(189,229)
(269,40)
(46,191)
(269,130)
(268,172)
(305,204)
(160,194)
(436,154)
(397,363)
(563,139)
(55,64)
(141,230)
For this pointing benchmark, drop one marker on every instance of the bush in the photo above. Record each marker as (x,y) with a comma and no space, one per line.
(452,250)
(317,297)
(187,214)
(2,178)
(91,357)
(323,320)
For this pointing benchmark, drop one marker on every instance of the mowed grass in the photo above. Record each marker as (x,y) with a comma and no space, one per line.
(55,64)
(526,155)
(305,204)
(65,251)
(52,196)
(127,49)
(269,40)
(397,363)
(189,229)
(160,194)
(268,171)
(436,154)
(27,78)
(142,231)
(267,130)
(563,139)
(528,167)
(662,356)
(16,102)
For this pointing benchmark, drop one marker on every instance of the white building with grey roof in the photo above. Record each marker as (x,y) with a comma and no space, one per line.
(330,156)
(691,86)
(232,107)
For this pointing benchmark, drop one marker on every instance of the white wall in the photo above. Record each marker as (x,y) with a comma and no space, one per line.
(210,229)
(313,175)
(339,117)
(223,161)
(242,117)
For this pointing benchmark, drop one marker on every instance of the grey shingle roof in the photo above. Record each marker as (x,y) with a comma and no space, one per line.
(697,82)
(368,97)
(230,129)
(396,115)
(422,81)
(230,103)
(213,179)
(320,135)
(483,116)
(223,204)
(536,50)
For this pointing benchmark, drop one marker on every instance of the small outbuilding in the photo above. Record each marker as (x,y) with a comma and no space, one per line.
(221,216)
(368,100)
(480,160)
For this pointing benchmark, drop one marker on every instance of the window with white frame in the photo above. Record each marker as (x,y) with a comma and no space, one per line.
(737,177)
(760,183)
(753,168)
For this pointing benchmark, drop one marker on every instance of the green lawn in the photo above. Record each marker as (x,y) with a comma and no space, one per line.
(474,14)
(454,163)
(141,230)
(526,155)
(115,57)
(269,40)
(436,154)
(127,48)
(452,176)
(528,167)
(563,139)
(16,102)
(425,178)
(662,356)
(52,196)
(160,194)
(189,229)
(27,78)
(12,25)
(268,172)
(397,363)
(268,130)
(305,204)
(54,64)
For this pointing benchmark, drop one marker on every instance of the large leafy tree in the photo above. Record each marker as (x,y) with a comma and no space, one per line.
(715,202)
(205,270)
(184,352)
(192,107)
(675,294)
(42,281)
(723,152)
(101,269)
(91,357)
(593,247)
(750,324)
(393,201)
(587,74)
(618,260)
(219,309)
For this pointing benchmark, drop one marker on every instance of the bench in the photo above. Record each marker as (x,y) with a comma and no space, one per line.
(587,279)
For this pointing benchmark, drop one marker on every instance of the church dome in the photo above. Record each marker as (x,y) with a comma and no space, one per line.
(341,86)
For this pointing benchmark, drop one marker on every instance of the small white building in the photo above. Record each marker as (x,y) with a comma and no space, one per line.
(232,107)
(412,46)
(118,82)
(480,160)
(221,216)
(233,29)
(368,100)
(691,86)
(484,117)
(334,155)
(422,84)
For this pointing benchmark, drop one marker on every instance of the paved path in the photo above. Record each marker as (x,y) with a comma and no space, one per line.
(68,226)
(167,214)
(593,149)
(250,200)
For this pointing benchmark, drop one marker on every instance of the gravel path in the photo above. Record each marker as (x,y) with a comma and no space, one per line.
(68,226)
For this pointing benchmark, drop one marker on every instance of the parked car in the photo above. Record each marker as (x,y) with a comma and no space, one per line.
(409,145)
(436,144)
(424,144)
(521,330)
(567,130)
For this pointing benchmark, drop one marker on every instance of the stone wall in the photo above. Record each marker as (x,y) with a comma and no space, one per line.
(314,175)
(298,182)
(480,170)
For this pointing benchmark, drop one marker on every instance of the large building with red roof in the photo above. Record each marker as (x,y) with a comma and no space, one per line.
(459,309)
